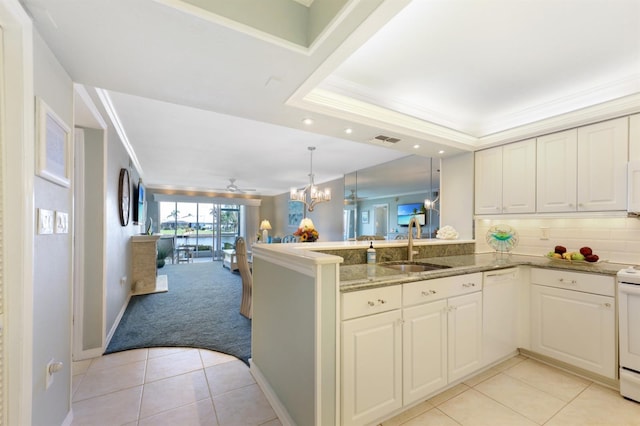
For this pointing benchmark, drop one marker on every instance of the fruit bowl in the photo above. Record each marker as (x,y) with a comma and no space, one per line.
(584,255)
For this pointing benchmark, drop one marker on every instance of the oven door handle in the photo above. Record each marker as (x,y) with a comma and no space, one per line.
(629,288)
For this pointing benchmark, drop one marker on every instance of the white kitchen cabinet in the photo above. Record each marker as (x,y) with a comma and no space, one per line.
(634,137)
(573,319)
(488,181)
(602,165)
(442,333)
(505,179)
(499,315)
(557,165)
(464,322)
(371,355)
(424,350)
(583,169)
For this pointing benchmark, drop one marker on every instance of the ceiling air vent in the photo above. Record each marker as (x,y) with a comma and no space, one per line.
(387,139)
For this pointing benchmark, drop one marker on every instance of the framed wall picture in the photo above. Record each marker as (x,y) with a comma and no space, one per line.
(365,216)
(296,213)
(53,139)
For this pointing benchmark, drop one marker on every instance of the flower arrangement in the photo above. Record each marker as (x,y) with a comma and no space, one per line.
(306,231)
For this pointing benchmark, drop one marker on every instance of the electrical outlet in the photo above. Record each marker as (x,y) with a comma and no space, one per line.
(544,233)
(123,281)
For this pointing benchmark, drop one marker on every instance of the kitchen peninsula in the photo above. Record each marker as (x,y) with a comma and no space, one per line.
(303,294)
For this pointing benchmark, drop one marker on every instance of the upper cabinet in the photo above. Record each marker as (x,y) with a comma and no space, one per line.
(602,165)
(505,179)
(583,169)
(557,165)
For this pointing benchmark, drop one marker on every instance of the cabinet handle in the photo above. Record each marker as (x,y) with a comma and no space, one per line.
(607,305)
(469,285)
(570,282)
(382,301)
(370,303)
(429,292)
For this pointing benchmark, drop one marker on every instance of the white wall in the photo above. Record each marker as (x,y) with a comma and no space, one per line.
(94,217)
(52,260)
(456,194)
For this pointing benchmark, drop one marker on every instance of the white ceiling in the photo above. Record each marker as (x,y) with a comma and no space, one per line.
(203,98)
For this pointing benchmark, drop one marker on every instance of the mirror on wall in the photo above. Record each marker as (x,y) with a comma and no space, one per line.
(379,200)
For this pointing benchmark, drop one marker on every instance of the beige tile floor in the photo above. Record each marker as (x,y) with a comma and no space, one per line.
(179,386)
(522,391)
(168,386)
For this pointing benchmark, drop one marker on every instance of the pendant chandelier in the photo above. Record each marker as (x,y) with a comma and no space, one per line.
(310,195)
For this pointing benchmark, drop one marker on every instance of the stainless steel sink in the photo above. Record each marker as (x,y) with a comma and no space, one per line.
(413,266)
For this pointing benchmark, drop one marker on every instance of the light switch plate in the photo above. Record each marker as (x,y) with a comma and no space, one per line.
(45,221)
(62,223)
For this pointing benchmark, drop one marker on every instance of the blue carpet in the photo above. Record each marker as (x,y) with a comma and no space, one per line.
(200,310)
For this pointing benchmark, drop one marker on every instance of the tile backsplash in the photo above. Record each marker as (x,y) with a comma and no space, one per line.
(612,239)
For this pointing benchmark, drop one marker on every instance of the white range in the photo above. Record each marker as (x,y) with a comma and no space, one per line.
(629,332)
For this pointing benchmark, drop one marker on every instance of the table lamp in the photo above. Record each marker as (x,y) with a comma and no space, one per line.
(264,227)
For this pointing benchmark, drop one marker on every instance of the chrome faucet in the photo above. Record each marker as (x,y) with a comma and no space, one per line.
(410,252)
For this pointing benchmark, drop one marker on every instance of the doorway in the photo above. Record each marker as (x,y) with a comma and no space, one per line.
(200,230)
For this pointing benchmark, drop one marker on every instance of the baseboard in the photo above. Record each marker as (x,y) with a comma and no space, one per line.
(116,323)
(586,374)
(88,354)
(68,420)
(276,404)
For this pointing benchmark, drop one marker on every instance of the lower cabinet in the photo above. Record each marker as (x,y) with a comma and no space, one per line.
(573,319)
(371,356)
(442,342)
(464,318)
(392,357)
(424,349)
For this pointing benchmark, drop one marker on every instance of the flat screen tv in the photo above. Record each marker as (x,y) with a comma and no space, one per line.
(407,211)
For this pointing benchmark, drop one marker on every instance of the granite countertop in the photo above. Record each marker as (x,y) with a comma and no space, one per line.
(360,277)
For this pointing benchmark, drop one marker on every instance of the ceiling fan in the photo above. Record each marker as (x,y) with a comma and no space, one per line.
(232,187)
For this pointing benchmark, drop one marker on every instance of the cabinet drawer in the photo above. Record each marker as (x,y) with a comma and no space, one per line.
(372,301)
(588,283)
(428,290)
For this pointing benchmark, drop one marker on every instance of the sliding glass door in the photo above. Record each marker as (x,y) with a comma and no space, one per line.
(200,230)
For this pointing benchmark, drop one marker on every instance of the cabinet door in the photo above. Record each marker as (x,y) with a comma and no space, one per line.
(488,181)
(602,165)
(464,335)
(574,327)
(519,177)
(556,172)
(424,350)
(371,367)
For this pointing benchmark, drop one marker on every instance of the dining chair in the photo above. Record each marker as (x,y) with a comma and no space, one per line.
(167,245)
(247,278)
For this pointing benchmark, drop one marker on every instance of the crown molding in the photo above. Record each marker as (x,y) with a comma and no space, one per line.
(331,103)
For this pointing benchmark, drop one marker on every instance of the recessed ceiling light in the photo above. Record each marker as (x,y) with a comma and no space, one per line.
(441,151)
(416,146)
(348,130)
(308,121)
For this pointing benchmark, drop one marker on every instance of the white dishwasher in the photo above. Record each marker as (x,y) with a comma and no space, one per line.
(499,301)
(629,332)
